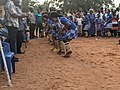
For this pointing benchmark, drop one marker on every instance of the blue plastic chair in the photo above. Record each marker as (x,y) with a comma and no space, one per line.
(4,32)
(9,58)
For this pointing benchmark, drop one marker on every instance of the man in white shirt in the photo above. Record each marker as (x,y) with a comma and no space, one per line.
(31,17)
(12,24)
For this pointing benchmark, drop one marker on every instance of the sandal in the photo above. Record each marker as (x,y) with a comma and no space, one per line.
(68,54)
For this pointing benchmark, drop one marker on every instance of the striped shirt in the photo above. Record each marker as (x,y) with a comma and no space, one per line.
(10,9)
(114,24)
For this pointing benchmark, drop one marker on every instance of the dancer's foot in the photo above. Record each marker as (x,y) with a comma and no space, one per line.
(67,55)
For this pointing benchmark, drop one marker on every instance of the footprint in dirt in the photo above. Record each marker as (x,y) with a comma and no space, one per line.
(82,60)
(111,54)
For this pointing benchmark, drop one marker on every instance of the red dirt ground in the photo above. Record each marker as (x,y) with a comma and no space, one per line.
(94,65)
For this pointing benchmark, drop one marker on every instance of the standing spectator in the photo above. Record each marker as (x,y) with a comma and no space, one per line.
(71,18)
(21,28)
(79,24)
(31,19)
(12,23)
(101,12)
(117,13)
(108,24)
(99,24)
(92,22)
(118,22)
(114,29)
(86,23)
(38,17)
(103,26)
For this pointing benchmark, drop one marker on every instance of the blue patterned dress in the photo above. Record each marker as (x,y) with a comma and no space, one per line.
(92,24)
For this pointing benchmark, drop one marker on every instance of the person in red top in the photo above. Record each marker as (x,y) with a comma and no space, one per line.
(114,25)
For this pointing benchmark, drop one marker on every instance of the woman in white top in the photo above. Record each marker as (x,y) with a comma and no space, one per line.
(79,24)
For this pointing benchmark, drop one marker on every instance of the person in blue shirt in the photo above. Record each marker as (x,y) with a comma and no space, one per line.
(108,24)
(38,17)
(67,29)
(50,30)
(92,22)
(86,24)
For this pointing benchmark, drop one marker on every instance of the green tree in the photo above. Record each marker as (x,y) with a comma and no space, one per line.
(29,3)
(25,5)
(84,4)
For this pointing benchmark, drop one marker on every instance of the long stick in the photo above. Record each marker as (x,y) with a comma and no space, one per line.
(5,64)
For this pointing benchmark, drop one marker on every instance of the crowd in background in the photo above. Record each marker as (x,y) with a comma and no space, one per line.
(102,22)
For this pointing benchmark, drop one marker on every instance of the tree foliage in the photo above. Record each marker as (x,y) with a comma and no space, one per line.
(26,4)
(78,4)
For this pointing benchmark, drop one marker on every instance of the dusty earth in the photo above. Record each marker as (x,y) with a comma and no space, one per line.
(94,65)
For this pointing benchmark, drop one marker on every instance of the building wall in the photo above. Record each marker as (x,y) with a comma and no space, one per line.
(2,12)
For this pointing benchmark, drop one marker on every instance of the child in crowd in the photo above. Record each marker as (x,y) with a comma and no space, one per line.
(108,22)
(103,26)
(31,21)
(71,18)
(79,24)
(99,25)
(44,25)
